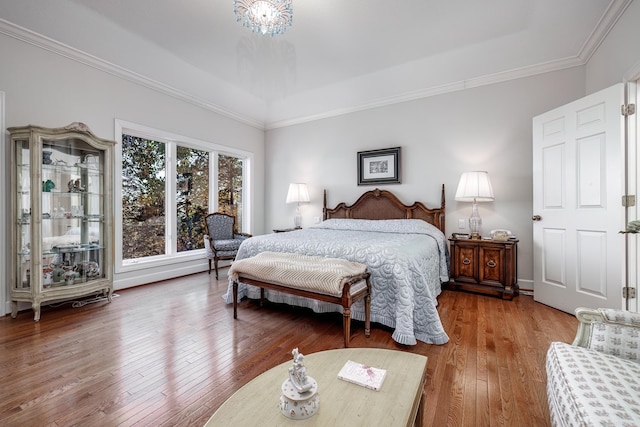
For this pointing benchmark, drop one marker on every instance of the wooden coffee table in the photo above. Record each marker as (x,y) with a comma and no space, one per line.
(399,402)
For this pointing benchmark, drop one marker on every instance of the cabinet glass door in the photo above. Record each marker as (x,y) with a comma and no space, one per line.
(23,214)
(72,219)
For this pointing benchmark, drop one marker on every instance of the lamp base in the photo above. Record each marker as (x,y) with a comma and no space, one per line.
(297,218)
(475,222)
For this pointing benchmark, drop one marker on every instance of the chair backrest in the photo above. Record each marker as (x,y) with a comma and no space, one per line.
(220,226)
(609,331)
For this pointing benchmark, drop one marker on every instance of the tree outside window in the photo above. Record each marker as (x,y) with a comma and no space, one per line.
(192,197)
(145,217)
(143,197)
(230,187)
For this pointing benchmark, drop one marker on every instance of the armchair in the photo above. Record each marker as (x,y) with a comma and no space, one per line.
(596,380)
(221,241)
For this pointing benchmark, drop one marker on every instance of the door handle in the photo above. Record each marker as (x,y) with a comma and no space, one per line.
(536,218)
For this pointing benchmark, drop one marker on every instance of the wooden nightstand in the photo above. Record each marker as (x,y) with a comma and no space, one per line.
(485,266)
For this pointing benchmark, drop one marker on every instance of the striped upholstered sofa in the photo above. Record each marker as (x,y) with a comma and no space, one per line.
(596,380)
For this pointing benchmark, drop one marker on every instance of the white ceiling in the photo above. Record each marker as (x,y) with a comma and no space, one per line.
(339,56)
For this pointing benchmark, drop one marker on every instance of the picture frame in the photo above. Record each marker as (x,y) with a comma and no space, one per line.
(379,166)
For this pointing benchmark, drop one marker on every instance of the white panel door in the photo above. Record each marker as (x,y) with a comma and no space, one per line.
(578,182)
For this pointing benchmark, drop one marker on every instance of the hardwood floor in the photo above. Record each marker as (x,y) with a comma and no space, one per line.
(170,353)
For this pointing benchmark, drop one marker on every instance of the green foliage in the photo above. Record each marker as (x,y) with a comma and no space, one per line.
(143,180)
(192,195)
(143,195)
(230,187)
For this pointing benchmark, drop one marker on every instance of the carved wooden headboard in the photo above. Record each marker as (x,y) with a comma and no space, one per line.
(383,204)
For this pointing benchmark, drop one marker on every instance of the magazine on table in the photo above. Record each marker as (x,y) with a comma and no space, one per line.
(363,375)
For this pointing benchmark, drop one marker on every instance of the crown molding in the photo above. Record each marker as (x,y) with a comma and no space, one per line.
(608,20)
(519,73)
(409,96)
(25,35)
(488,79)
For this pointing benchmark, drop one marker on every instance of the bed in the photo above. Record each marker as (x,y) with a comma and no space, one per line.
(403,246)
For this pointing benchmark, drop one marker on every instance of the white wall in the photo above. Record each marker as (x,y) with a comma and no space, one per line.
(618,57)
(47,89)
(484,128)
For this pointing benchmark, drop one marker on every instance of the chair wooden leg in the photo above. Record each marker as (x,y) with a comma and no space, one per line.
(367,310)
(209,265)
(215,263)
(346,325)
(235,299)
(367,316)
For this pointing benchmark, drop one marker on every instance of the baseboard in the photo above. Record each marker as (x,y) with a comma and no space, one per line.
(526,287)
(7,308)
(139,278)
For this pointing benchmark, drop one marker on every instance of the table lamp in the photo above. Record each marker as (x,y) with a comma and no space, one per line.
(297,193)
(474,187)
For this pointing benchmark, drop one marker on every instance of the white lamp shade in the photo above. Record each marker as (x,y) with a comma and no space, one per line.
(297,193)
(475,187)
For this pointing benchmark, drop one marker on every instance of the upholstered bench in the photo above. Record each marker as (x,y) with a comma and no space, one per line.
(596,380)
(331,280)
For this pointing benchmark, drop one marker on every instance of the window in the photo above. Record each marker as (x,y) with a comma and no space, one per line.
(165,186)
(143,196)
(192,196)
(230,193)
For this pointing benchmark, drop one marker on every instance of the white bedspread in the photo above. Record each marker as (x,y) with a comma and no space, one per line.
(408,261)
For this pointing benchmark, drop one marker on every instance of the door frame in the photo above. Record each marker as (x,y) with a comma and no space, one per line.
(4,217)
(632,246)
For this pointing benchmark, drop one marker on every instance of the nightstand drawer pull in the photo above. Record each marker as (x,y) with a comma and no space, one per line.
(466,261)
(491,264)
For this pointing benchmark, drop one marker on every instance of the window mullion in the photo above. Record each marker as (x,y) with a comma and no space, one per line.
(171,222)
(213,180)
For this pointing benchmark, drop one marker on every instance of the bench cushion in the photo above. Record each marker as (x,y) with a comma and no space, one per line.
(585,387)
(312,273)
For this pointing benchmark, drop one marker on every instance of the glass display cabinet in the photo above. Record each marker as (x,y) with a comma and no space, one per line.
(62,215)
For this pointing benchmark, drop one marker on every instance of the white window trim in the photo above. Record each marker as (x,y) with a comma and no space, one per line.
(130,128)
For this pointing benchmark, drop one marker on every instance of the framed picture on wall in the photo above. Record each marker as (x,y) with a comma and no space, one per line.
(379,166)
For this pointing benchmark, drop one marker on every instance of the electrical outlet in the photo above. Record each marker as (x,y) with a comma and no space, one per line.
(462,223)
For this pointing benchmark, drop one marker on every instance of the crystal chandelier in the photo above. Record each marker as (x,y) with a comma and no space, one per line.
(271,17)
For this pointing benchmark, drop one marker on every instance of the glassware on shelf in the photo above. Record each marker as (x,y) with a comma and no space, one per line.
(69,277)
(46,157)
(47,274)
(48,185)
(58,272)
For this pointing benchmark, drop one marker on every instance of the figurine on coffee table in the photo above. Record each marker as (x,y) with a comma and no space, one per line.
(298,374)
(300,398)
